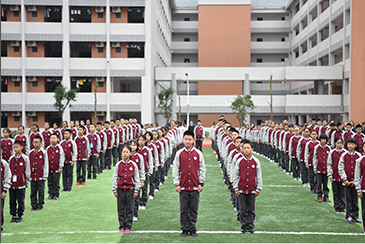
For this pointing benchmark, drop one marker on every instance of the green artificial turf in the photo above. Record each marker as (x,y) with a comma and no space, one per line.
(93,208)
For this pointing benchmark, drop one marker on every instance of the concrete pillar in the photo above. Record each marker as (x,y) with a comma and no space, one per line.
(66,81)
(108,79)
(319,87)
(247,91)
(174,96)
(24,55)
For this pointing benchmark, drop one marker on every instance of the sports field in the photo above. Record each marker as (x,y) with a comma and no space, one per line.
(285,212)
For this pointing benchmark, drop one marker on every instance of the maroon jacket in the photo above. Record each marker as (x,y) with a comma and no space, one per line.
(38,162)
(346,166)
(21,164)
(31,138)
(198,131)
(23,139)
(332,164)
(346,136)
(83,148)
(70,150)
(126,173)
(109,136)
(360,174)
(46,138)
(320,158)
(94,149)
(7,146)
(309,152)
(303,142)
(360,140)
(56,158)
(249,173)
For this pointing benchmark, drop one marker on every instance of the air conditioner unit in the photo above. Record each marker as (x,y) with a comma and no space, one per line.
(15,43)
(115,44)
(31,114)
(99,44)
(116,9)
(14,8)
(16,114)
(100,79)
(17,78)
(32,78)
(32,44)
(99,9)
(32,8)
(100,114)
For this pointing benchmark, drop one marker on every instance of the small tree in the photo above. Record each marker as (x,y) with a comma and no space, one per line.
(242,106)
(63,98)
(165,102)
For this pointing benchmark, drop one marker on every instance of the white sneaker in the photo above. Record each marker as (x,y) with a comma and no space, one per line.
(165,177)
(287,173)
(157,190)
(234,209)
(135,218)
(161,184)
(294,178)
(150,197)
(142,207)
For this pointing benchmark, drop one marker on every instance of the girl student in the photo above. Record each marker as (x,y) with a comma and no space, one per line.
(156,163)
(308,159)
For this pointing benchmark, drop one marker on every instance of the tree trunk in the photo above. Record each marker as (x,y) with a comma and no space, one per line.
(179,99)
(271,109)
(96,101)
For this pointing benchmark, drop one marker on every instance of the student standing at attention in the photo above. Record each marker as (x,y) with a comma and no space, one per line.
(189,176)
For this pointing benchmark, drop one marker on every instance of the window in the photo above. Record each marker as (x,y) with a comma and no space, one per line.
(100,118)
(283,18)
(260,18)
(35,14)
(100,50)
(283,60)
(118,15)
(16,118)
(118,50)
(16,49)
(186,19)
(259,39)
(34,49)
(16,14)
(35,118)
(186,39)
(100,15)
(100,84)
(283,39)
(35,83)
(259,60)
(16,83)
(186,60)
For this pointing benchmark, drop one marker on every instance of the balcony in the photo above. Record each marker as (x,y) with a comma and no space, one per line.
(185,47)
(11,63)
(11,27)
(185,26)
(88,63)
(127,63)
(127,98)
(43,28)
(270,26)
(127,29)
(43,63)
(87,28)
(270,47)
(11,98)
(338,36)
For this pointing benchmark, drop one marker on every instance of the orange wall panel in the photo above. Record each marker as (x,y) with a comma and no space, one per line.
(11,87)
(40,121)
(357,112)
(208,119)
(39,54)
(94,16)
(220,88)
(12,123)
(95,53)
(11,52)
(224,36)
(100,89)
(39,88)
(124,16)
(10,15)
(40,15)
(122,54)
(93,121)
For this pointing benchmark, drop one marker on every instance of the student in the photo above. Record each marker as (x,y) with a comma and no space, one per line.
(23,138)
(95,145)
(247,180)
(161,153)
(337,183)
(103,147)
(46,134)
(148,165)
(360,182)
(7,145)
(33,133)
(110,144)
(126,184)
(38,162)
(360,138)
(320,157)
(330,133)
(308,159)
(346,170)
(56,160)
(57,131)
(198,132)
(156,164)
(70,150)
(62,131)
(348,134)
(337,133)
(189,177)
(293,146)
(116,141)
(83,154)
(5,185)
(20,171)
(287,136)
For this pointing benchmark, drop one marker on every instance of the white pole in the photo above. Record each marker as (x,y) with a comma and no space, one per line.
(188,102)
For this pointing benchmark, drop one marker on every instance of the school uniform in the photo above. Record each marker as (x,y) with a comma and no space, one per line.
(20,178)
(103,147)
(83,153)
(346,136)
(126,182)
(293,146)
(39,168)
(335,134)
(329,134)
(300,156)
(156,164)
(360,138)
(337,183)
(46,134)
(25,140)
(7,147)
(5,184)
(198,133)
(346,170)
(121,142)
(148,166)
(110,142)
(320,157)
(58,133)
(95,145)
(308,160)
(138,159)
(360,184)
(56,160)
(287,137)
(247,180)
(188,173)
(31,138)
(62,131)
(75,132)
(115,144)
(161,159)
(70,150)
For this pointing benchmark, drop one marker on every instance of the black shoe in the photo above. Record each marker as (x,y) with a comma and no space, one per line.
(14,219)
(94,178)
(2,229)
(64,190)
(193,233)
(184,233)
(89,178)
(109,167)
(40,209)
(251,231)
(244,231)
(20,219)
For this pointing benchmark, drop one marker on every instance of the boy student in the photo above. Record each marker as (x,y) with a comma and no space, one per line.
(346,170)
(46,134)
(198,132)
(56,160)
(7,145)
(348,134)
(360,138)
(5,185)
(189,176)
(293,146)
(95,145)
(320,157)
(329,134)
(23,138)
(70,150)
(287,136)
(360,183)
(110,144)
(116,141)
(103,147)
(308,159)
(83,154)
(33,133)
(62,131)
(247,183)
(337,133)
(38,161)
(56,130)
(20,178)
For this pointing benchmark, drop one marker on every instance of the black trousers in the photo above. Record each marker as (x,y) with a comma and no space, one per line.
(81,166)
(162,173)
(189,203)
(54,184)
(157,178)
(115,155)
(119,152)
(101,162)
(108,158)
(2,211)
(212,143)
(144,196)
(312,178)
(199,144)
(352,202)
(125,202)
(247,210)
(67,177)
(286,162)
(37,194)
(363,211)
(152,183)
(137,201)
(295,167)
(92,163)
(322,185)
(338,196)
(16,197)
(303,172)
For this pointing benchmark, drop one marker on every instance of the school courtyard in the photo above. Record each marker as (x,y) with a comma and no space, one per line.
(286,212)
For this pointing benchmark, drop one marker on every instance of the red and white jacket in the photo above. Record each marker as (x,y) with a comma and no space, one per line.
(332,164)
(5,176)
(320,158)
(7,147)
(309,152)
(19,166)
(360,175)
(25,139)
(56,158)
(346,166)
(46,134)
(31,138)
(38,163)
(126,176)
(247,176)
(83,148)
(70,150)
(198,132)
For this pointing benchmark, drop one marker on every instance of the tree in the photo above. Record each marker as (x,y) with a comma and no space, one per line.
(165,103)
(242,106)
(270,103)
(95,99)
(63,98)
(179,89)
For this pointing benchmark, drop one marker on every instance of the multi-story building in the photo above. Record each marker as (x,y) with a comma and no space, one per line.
(134,48)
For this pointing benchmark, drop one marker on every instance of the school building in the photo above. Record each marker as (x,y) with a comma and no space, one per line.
(131,49)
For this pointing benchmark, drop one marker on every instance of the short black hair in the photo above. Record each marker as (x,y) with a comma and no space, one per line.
(352,140)
(20,143)
(99,123)
(82,127)
(358,126)
(7,130)
(54,134)
(188,133)
(38,137)
(314,131)
(245,141)
(333,124)
(238,138)
(107,122)
(112,120)
(338,138)
(338,124)
(199,120)
(69,131)
(323,136)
